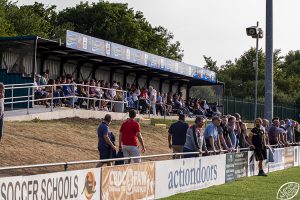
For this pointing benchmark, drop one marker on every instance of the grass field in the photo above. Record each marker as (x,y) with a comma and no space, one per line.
(260,188)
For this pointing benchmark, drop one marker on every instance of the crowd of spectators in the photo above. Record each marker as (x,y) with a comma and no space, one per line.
(102,96)
(229,133)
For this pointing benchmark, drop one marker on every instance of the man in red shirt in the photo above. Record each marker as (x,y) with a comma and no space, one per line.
(130,133)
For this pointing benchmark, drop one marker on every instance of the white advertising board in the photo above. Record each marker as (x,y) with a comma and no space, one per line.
(80,184)
(182,175)
(278,163)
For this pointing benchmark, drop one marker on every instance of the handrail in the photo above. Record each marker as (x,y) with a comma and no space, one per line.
(66,164)
(32,88)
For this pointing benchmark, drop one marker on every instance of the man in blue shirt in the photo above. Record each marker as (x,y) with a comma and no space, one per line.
(105,141)
(211,134)
(68,91)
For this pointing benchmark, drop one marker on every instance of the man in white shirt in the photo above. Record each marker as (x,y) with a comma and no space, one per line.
(153,97)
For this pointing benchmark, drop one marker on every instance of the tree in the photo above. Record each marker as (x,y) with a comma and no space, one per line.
(210,63)
(31,19)
(118,23)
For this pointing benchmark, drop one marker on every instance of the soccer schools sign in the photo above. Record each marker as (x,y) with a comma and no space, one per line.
(174,176)
(71,185)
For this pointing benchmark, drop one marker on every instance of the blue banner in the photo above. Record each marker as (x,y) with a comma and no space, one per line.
(97,46)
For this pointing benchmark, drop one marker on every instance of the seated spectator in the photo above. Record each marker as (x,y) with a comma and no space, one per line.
(94,95)
(53,92)
(82,93)
(168,107)
(43,80)
(39,93)
(159,104)
(144,101)
(113,92)
(297,132)
(68,92)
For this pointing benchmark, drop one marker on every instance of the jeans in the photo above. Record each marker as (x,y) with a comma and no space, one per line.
(153,107)
(131,151)
(186,150)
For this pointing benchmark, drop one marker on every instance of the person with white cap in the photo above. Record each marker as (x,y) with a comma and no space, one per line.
(153,97)
(112,91)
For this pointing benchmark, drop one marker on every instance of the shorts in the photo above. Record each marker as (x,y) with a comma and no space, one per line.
(260,154)
(105,153)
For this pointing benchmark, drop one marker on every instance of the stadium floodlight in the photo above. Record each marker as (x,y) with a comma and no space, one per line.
(257,33)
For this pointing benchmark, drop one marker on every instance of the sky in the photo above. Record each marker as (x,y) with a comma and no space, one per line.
(215,28)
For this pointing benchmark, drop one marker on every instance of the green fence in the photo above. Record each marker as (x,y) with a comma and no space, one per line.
(230,105)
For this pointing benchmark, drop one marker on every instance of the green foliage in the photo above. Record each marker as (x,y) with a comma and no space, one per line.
(110,21)
(118,23)
(239,76)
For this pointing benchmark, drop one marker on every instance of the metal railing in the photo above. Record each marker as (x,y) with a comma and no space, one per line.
(67,164)
(32,88)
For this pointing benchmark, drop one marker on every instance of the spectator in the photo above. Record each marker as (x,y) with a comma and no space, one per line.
(243,139)
(2,92)
(39,93)
(177,135)
(94,95)
(68,92)
(258,140)
(52,92)
(81,90)
(159,104)
(273,133)
(232,131)
(153,98)
(113,92)
(195,141)
(289,130)
(130,133)
(211,134)
(266,126)
(43,80)
(224,138)
(144,101)
(167,104)
(106,141)
(283,132)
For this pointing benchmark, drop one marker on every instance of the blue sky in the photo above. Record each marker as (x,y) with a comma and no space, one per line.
(214,28)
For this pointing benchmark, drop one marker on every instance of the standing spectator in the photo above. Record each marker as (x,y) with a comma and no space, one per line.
(273,133)
(195,141)
(1,109)
(211,134)
(130,133)
(106,141)
(266,126)
(224,134)
(243,139)
(258,140)
(153,98)
(232,131)
(289,130)
(177,135)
